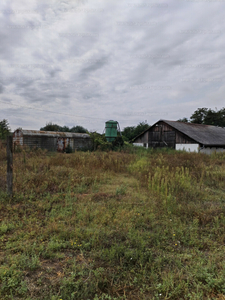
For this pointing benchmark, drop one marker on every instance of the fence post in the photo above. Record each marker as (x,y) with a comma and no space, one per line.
(9,165)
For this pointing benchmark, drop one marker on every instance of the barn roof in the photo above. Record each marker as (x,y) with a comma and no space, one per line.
(53,133)
(203,134)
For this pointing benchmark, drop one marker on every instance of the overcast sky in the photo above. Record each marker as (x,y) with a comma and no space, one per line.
(85,62)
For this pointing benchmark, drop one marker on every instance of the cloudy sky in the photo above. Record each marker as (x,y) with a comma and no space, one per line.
(83,62)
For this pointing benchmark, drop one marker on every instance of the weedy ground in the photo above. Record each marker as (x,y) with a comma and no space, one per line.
(136,224)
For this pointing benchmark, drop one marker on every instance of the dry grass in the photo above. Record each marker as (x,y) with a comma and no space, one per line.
(113,225)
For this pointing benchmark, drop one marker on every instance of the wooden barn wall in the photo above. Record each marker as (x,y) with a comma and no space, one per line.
(183,139)
(143,138)
(163,136)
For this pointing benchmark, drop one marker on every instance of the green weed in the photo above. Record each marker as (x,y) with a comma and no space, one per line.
(133,224)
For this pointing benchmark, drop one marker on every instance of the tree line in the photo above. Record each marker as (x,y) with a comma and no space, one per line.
(207,116)
(203,115)
(55,127)
(128,133)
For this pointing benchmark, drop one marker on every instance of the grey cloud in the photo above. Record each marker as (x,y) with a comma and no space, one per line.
(93,67)
(52,73)
(107,65)
(1,88)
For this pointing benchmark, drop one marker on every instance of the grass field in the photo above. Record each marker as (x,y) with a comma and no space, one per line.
(136,224)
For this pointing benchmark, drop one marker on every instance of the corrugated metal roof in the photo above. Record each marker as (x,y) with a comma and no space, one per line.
(54,133)
(203,134)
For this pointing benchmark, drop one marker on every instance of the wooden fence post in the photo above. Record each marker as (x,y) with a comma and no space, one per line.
(9,165)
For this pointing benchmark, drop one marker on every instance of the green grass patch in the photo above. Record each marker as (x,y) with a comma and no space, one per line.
(133,224)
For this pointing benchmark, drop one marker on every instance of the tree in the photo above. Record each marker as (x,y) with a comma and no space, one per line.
(216,118)
(185,120)
(199,115)
(50,127)
(131,132)
(78,129)
(4,129)
(142,126)
(221,117)
(209,116)
(64,129)
(128,133)
(55,127)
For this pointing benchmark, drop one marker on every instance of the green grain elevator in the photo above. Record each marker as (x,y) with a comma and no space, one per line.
(111,130)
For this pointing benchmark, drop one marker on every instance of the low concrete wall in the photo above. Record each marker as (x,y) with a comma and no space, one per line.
(210,150)
(188,147)
(141,144)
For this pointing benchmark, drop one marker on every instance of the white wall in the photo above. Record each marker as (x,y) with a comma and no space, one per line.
(188,147)
(140,144)
(210,150)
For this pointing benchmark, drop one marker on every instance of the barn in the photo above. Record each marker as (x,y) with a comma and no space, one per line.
(51,140)
(183,136)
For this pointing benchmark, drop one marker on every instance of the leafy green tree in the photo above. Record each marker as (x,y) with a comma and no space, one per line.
(78,129)
(50,127)
(131,132)
(185,120)
(64,129)
(209,116)
(128,133)
(216,118)
(199,115)
(4,129)
(142,126)
(55,127)
(221,117)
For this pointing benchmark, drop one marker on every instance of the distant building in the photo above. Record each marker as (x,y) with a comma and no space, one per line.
(51,140)
(183,136)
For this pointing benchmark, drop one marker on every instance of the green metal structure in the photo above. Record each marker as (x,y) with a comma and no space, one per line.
(111,130)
